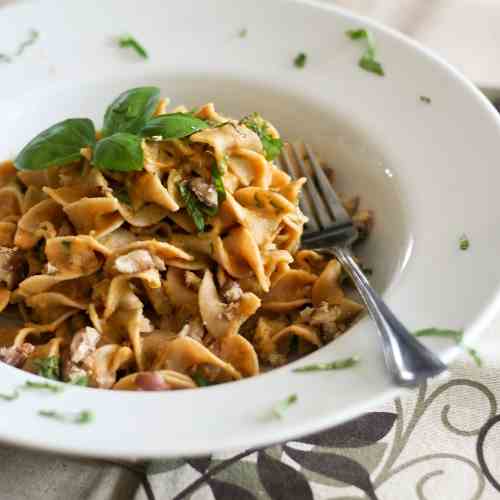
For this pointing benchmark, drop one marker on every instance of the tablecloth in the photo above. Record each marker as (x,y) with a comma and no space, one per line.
(440,441)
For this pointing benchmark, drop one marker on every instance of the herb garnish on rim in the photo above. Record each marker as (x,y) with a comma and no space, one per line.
(456,335)
(339,364)
(300,60)
(42,385)
(464,242)
(280,407)
(425,99)
(32,38)
(368,61)
(129,41)
(10,397)
(81,417)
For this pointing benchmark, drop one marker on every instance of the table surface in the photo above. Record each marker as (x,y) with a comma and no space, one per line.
(440,441)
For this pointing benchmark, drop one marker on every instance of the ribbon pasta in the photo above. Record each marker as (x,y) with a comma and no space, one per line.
(109,273)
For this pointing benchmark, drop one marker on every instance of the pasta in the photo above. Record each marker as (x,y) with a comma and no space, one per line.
(184,272)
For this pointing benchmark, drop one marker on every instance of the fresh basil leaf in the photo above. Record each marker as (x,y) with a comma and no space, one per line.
(131,110)
(48,367)
(130,42)
(120,151)
(218,183)
(81,417)
(280,407)
(272,145)
(42,385)
(58,145)
(192,206)
(173,126)
(340,364)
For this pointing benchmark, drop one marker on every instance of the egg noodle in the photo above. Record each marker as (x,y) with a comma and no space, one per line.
(185,273)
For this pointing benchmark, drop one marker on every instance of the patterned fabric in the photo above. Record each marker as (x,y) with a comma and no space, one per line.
(439,441)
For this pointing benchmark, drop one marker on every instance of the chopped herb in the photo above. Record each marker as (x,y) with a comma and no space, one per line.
(82,417)
(272,145)
(218,183)
(48,367)
(243,33)
(42,385)
(10,397)
(32,38)
(368,60)
(425,99)
(280,407)
(66,244)
(367,271)
(130,42)
(300,60)
(82,380)
(192,206)
(456,335)
(464,242)
(122,195)
(340,364)
(200,380)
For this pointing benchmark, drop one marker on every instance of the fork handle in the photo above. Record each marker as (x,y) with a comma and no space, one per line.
(407,359)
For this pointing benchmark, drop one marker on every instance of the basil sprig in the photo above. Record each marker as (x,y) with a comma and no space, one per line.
(120,151)
(173,126)
(130,111)
(48,367)
(58,145)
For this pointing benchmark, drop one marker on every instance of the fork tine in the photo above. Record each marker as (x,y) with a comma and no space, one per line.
(334,204)
(319,206)
(305,204)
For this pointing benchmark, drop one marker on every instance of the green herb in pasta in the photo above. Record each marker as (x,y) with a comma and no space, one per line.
(48,367)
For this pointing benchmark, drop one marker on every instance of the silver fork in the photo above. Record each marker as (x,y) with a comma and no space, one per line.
(331,230)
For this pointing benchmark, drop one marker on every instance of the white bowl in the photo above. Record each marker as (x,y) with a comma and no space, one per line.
(430,172)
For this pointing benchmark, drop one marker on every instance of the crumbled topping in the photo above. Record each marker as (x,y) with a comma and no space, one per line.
(11,264)
(194,329)
(16,355)
(231,291)
(205,192)
(230,311)
(135,262)
(324,316)
(84,344)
